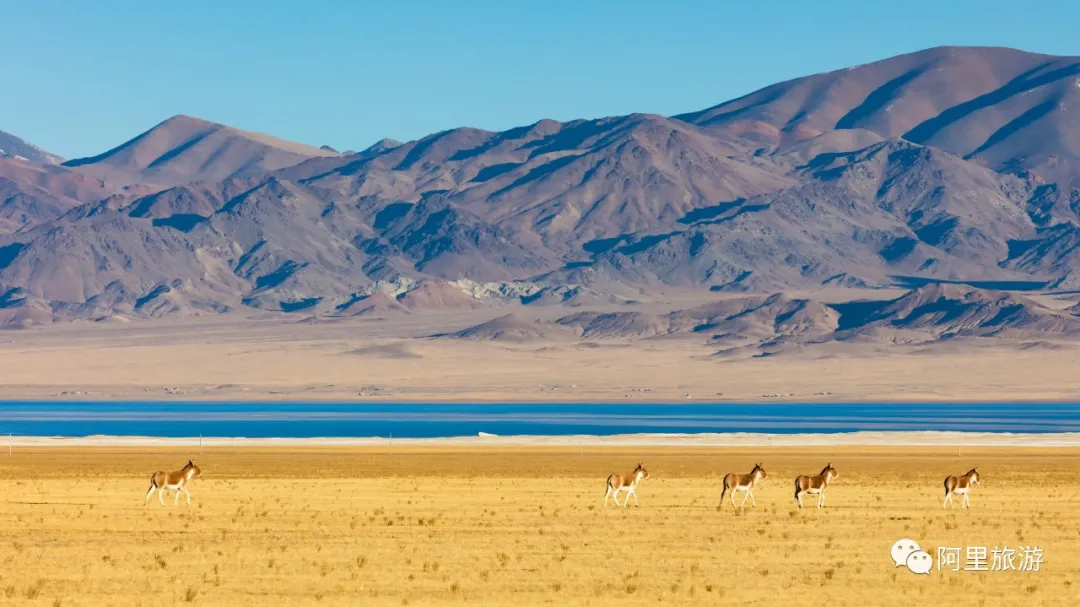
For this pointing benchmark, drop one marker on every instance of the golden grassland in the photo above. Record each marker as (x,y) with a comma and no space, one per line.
(505,526)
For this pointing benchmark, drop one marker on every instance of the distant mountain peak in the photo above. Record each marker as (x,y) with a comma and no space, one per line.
(185,118)
(1012,109)
(382,145)
(184,149)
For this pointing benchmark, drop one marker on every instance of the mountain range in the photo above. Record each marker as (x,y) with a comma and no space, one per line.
(949,165)
(769,324)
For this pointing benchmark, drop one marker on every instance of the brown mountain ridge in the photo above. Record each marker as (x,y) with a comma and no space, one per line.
(951,164)
(183,149)
(764,322)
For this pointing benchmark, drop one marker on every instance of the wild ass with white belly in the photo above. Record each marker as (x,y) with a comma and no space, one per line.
(742,482)
(961,485)
(617,483)
(814,485)
(173,481)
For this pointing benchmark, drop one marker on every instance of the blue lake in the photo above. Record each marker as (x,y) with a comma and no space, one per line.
(403,420)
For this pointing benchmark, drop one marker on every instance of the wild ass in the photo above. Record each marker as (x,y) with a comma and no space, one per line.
(617,483)
(742,482)
(814,485)
(173,481)
(961,485)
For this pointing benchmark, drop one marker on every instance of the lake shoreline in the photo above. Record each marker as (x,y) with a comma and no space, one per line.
(181,397)
(549,423)
(756,440)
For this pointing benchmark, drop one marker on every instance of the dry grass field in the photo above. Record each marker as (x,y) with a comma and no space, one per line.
(523,526)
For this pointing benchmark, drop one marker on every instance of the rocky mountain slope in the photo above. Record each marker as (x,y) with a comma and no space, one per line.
(951,164)
(34,193)
(767,322)
(18,149)
(1006,109)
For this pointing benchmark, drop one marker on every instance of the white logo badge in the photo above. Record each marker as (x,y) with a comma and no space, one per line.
(920,562)
(902,549)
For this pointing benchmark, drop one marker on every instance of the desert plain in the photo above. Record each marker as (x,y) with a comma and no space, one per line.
(423,356)
(444,525)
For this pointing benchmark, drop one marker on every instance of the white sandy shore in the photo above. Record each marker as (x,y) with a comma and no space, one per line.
(898,439)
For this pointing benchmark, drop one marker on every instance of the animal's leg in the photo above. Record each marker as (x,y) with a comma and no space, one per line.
(945,501)
(722,494)
(745,495)
(176,500)
(634,493)
(149,494)
(751,494)
(967,502)
(188,494)
(161,495)
(798,499)
(607,495)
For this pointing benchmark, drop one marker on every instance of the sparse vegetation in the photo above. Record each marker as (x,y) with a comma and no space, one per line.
(680,554)
(33,591)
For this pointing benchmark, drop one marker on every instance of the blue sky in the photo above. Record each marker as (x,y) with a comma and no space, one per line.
(81,77)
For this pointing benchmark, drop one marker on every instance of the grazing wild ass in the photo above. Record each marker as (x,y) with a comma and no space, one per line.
(617,483)
(173,481)
(742,482)
(814,485)
(961,485)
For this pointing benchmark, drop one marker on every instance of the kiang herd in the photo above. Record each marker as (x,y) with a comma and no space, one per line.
(804,485)
(179,480)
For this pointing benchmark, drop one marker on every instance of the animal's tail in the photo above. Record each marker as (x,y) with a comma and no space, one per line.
(153,487)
